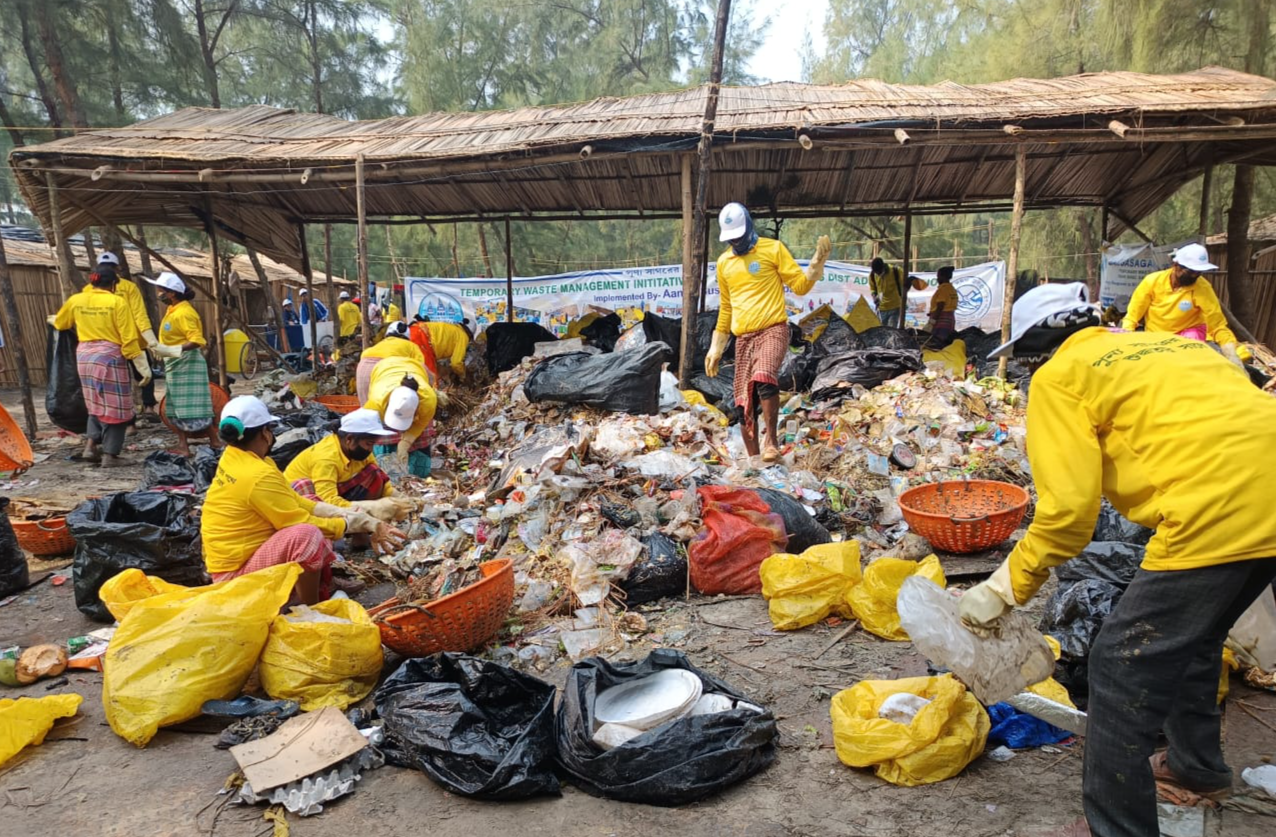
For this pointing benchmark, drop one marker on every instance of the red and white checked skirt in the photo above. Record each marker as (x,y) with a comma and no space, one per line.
(302,544)
(105,381)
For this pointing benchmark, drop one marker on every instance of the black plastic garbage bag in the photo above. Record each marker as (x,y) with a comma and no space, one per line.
(509,343)
(885,337)
(603,332)
(1111,526)
(660,572)
(678,762)
(797,371)
(164,468)
(866,367)
(706,324)
(153,531)
(478,728)
(718,391)
(803,530)
(206,462)
(838,337)
(14,573)
(625,382)
(669,331)
(63,397)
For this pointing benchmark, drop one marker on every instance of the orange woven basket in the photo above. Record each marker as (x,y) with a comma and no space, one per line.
(339,404)
(461,621)
(49,536)
(15,450)
(220,399)
(964,515)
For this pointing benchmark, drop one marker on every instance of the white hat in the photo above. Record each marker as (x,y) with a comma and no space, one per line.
(287,301)
(1038,305)
(734,220)
(1193,257)
(107,257)
(343,295)
(398,328)
(364,422)
(248,411)
(169,281)
(400,411)
(304,291)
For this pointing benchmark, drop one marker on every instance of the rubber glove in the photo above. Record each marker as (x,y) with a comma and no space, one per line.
(148,339)
(387,539)
(359,522)
(983,605)
(402,449)
(1229,352)
(1243,352)
(716,350)
(815,270)
(143,367)
(51,319)
(388,509)
(162,350)
(441,399)
(323,509)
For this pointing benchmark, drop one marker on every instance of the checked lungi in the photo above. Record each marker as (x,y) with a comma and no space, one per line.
(365,485)
(303,544)
(758,356)
(188,404)
(105,381)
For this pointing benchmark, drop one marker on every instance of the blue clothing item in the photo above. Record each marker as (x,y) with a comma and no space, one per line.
(320,308)
(1019,731)
(749,240)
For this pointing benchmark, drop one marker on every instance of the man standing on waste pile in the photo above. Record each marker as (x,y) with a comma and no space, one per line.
(752,275)
(887,286)
(1108,418)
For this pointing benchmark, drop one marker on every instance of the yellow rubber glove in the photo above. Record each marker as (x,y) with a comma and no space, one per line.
(983,605)
(716,350)
(1229,352)
(388,509)
(401,451)
(815,270)
(143,367)
(148,339)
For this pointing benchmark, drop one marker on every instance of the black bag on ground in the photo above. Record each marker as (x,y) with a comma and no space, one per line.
(660,572)
(1111,526)
(627,382)
(603,332)
(63,396)
(803,530)
(838,337)
(156,532)
(14,573)
(166,468)
(206,462)
(678,762)
(478,728)
(706,324)
(797,371)
(719,391)
(866,367)
(885,337)
(509,343)
(669,331)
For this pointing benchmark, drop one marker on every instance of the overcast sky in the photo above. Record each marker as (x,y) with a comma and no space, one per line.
(780,58)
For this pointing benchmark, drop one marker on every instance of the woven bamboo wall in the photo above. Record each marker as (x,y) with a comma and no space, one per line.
(1262,276)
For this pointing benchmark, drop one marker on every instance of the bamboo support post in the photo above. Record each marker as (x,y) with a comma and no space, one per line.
(1207,180)
(333,302)
(688,243)
(13,328)
(272,301)
(1012,263)
(219,339)
(362,208)
(309,275)
(509,274)
(66,264)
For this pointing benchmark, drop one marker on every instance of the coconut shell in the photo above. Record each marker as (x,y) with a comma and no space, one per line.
(40,661)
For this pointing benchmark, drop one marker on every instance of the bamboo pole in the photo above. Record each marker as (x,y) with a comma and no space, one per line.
(66,265)
(276,309)
(1207,180)
(509,274)
(327,268)
(309,274)
(362,207)
(1012,263)
(688,246)
(13,329)
(219,339)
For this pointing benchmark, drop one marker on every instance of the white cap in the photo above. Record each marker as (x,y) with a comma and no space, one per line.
(169,281)
(342,295)
(304,291)
(107,257)
(400,411)
(248,411)
(364,422)
(287,301)
(1193,257)
(398,328)
(1038,305)
(734,220)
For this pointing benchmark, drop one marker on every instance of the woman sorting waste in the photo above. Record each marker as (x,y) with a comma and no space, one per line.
(252,519)
(450,342)
(109,340)
(401,394)
(188,404)
(396,343)
(1107,418)
(341,469)
(108,262)
(752,276)
(943,311)
(419,334)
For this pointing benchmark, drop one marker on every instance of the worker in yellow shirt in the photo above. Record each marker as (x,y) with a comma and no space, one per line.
(943,311)
(341,469)
(188,402)
(349,317)
(1181,301)
(131,294)
(450,342)
(752,276)
(889,291)
(1107,418)
(401,394)
(396,343)
(252,519)
(393,313)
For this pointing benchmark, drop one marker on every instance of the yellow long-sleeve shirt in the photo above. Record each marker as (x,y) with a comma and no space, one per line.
(132,295)
(751,287)
(349,318)
(325,465)
(1174,435)
(248,501)
(98,314)
(450,343)
(945,298)
(387,375)
(182,325)
(393,313)
(1167,308)
(395,347)
(888,287)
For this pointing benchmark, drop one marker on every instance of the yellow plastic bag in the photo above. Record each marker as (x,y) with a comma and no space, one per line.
(873,601)
(176,650)
(953,357)
(124,589)
(696,399)
(1230,664)
(322,664)
(946,734)
(27,720)
(1052,689)
(861,316)
(803,589)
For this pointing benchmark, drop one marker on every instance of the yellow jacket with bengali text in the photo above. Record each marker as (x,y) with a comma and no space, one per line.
(98,314)
(751,287)
(1167,308)
(349,318)
(326,465)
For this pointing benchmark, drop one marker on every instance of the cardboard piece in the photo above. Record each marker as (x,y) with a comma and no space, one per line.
(304,745)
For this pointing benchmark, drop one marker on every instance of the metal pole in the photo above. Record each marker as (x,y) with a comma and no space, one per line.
(509,274)
(362,207)
(219,339)
(1012,264)
(309,273)
(66,265)
(13,328)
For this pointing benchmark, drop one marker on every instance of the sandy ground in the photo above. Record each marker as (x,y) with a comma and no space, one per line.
(86,781)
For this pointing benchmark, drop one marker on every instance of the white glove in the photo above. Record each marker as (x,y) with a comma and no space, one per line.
(388,509)
(1229,352)
(323,509)
(143,367)
(51,319)
(716,350)
(360,523)
(815,270)
(441,400)
(161,350)
(983,605)
(402,449)
(148,339)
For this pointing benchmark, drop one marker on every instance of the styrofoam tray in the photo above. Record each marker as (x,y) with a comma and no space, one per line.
(649,701)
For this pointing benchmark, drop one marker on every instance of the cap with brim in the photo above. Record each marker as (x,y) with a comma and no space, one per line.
(1038,305)
(398,328)
(734,221)
(343,295)
(365,422)
(108,257)
(248,411)
(1195,258)
(169,281)
(400,410)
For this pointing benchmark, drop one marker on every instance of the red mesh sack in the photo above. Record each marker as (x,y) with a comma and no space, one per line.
(739,533)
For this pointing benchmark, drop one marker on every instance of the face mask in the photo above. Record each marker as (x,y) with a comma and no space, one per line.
(359,454)
(742,245)
(1188,279)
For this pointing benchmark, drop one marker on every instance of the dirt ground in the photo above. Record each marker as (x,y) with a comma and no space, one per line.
(86,781)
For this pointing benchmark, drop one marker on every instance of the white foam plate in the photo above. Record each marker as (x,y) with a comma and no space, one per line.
(649,701)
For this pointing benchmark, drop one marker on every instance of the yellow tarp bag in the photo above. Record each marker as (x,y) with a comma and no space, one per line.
(803,589)
(321,663)
(176,650)
(814,323)
(873,600)
(124,589)
(27,720)
(861,317)
(696,399)
(946,734)
(953,357)
(1052,689)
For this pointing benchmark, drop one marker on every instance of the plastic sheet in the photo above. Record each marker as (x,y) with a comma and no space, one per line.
(14,573)
(626,382)
(873,601)
(603,332)
(509,343)
(478,728)
(1111,526)
(866,367)
(885,337)
(164,468)
(803,589)
(63,395)
(803,531)
(1019,730)
(25,721)
(681,761)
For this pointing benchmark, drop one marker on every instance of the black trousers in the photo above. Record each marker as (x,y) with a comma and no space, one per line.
(148,391)
(1155,667)
(109,436)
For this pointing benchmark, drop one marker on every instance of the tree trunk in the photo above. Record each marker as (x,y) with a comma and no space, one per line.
(6,118)
(1085,220)
(1240,295)
(113,57)
(206,51)
(487,260)
(316,67)
(41,87)
(62,80)
(456,262)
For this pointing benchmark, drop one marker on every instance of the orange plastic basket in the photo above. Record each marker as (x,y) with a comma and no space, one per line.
(964,515)
(49,536)
(339,404)
(15,450)
(220,399)
(461,621)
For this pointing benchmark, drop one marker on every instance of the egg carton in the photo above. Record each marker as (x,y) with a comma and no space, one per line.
(306,797)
